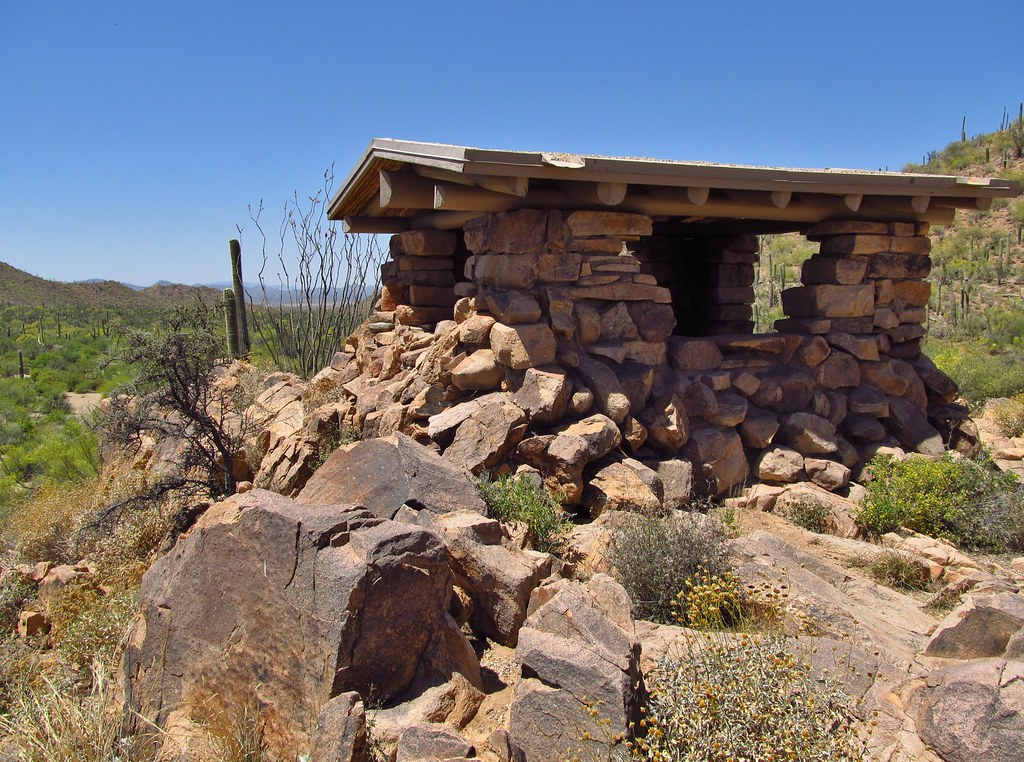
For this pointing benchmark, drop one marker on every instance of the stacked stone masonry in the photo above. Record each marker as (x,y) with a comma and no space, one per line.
(620,366)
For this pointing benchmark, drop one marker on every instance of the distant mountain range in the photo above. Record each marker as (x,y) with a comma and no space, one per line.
(19,288)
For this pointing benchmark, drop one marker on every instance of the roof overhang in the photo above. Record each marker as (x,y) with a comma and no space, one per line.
(401,185)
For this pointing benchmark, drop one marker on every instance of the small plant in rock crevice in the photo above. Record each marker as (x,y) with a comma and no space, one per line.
(812,516)
(517,499)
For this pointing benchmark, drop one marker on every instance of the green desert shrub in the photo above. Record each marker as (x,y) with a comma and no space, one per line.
(517,499)
(898,570)
(968,502)
(811,515)
(655,557)
(745,697)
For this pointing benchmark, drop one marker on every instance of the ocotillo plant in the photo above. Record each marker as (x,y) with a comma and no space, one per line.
(239,290)
(231,323)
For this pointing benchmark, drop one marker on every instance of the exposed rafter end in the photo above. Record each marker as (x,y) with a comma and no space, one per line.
(781,199)
(405,190)
(920,203)
(853,201)
(605,194)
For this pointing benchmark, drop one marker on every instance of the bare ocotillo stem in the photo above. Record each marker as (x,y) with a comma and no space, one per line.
(239,290)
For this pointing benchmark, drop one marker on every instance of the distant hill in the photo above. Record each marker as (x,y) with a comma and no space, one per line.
(19,288)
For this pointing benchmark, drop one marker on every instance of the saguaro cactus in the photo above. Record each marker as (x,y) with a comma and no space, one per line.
(239,291)
(21,365)
(231,323)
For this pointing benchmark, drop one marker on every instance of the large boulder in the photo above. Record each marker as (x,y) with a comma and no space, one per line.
(498,576)
(291,605)
(577,650)
(970,711)
(382,475)
(980,627)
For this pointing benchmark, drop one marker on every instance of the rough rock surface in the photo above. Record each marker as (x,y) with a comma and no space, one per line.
(382,475)
(299,603)
(577,644)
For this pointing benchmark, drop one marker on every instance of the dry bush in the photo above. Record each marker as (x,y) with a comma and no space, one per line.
(52,724)
(655,557)
(1008,416)
(43,527)
(745,697)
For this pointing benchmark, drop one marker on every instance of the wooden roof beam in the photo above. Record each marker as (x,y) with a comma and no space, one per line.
(405,190)
(512,186)
(604,194)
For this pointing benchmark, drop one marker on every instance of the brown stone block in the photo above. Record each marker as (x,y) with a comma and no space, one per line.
(884,292)
(623,291)
(731,275)
(731,295)
(562,267)
(914,292)
(911,245)
(886,318)
(909,350)
(863,348)
(837,371)
(644,278)
(431,296)
(408,315)
(596,245)
(608,224)
(655,322)
(822,268)
(598,279)
(693,354)
(905,332)
(512,307)
(523,231)
(855,324)
(882,376)
(813,351)
(845,227)
(523,346)
(903,229)
(889,265)
(434,278)
(829,301)
(426,243)
(803,325)
(913,315)
(781,347)
(508,271)
(856,244)
(424,263)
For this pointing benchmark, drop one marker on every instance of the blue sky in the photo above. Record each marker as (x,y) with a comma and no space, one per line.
(134,135)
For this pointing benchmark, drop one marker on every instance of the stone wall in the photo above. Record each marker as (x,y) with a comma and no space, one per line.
(550,342)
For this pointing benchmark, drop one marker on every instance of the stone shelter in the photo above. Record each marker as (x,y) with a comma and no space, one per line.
(591,318)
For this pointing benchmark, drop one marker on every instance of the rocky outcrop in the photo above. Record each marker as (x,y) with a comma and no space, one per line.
(577,650)
(293,605)
(384,474)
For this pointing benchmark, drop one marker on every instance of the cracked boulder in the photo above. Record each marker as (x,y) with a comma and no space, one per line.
(289,606)
(384,474)
(577,650)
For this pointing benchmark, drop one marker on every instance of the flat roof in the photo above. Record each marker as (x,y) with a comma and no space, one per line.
(401,185)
